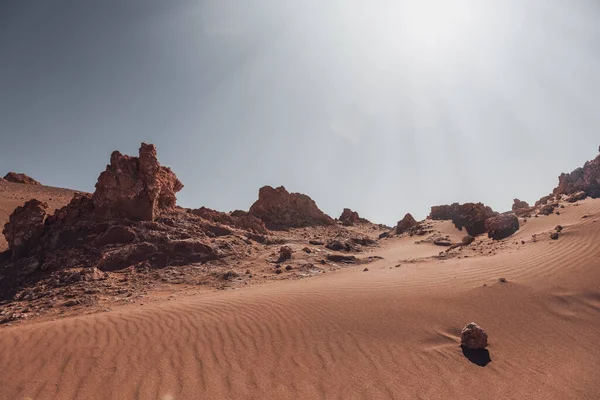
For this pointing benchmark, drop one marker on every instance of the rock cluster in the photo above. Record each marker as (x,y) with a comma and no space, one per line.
(502,226)
(136,188)
(349,217)
(280,209)
(471,216)
(473,337)
(584,179)
(406,223)
(25,227)
(518,205)
(237,219)
(20,178)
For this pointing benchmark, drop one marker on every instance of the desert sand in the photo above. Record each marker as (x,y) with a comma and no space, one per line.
(391,332)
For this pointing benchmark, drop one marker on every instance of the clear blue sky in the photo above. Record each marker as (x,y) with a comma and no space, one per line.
(384,107)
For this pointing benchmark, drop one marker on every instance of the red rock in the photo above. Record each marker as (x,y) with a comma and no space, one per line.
(117,234)
(543,200)
(547,209)
(444,212)
(470,216)
(285,253)
(25,227)
(137,188)
(473,337)
(237,219)
(502,226)
(584,179)
(405,224)
(575,197)
(20,178)
(349,217)
(518,205)
(280,210)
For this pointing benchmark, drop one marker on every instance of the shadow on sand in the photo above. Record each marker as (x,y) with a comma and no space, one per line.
(479,357)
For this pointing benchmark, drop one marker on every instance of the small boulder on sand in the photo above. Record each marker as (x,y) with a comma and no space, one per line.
(285,253)
(473,337)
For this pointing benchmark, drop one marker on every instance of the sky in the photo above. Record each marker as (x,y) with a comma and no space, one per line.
(385,107)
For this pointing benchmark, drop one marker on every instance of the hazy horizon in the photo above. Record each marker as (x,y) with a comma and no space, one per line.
(384,108)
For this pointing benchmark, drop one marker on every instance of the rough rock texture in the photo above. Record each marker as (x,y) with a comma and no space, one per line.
(137,188)
(473,337)
(406,223)
(349,217)
(20,178)
(280,210)
(25,227)
(285,253)
(575,197)
(518,205)
(237,219)
(471,216)
(543,200)
(584,179)
(547,209)
(502,226)
(444,212)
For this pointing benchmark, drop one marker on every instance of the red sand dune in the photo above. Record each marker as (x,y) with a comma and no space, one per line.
(390,333)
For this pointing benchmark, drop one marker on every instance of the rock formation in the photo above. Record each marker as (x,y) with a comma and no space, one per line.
(405,224)
(349,217)
(518,205)
(137,188)
(473,337)
(502,226)
(281,210)
(238,219)
(470,216)
(25,227)
(584,179)
(20,178)
(575,197)
(444,212)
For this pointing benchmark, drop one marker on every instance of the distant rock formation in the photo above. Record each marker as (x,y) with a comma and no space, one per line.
(137,188)
(502,226)
(20,178)
(406,223)
(281,210)
(471,216)
(584,179)
(349,217)
(238,219)
(518,205)
(25,227)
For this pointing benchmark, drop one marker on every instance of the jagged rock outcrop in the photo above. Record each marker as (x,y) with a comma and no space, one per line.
(25,227)
(518,205)
(137,188)
(349,217)
(502,226)
(473,337)
(406,223)
(20,178)
(444,212)
(281,210)
(575,197)
(542,201)
(471,216)
(238,219)
(584,179)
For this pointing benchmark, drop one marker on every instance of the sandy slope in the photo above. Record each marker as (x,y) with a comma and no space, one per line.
(389,333)
(13,195)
